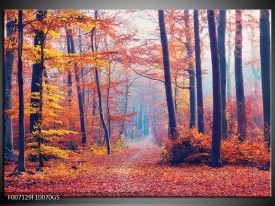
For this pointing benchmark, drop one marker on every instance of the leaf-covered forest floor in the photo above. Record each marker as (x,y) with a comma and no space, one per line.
(135,172)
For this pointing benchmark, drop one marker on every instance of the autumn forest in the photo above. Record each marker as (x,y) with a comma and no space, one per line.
(137,102)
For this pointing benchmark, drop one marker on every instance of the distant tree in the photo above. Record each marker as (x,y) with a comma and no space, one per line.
(228,64)
(167,76)
(8,70)
(221,48)
(265,69)
(241,114)
(21,157)
(216,74)
(200,110)
(191,71)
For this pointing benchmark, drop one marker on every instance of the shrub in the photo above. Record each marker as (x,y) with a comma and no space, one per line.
(196,148)
(186,146)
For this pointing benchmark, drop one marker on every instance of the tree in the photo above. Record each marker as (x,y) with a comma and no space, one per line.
(36,86)
(69,78)
(191,71)
(200,110)
(241,116)
(8,66)
(100,107)
(216,127)
(79,92)
(265,69)
(167,76)
(221,48)
(21,157)
(228,65)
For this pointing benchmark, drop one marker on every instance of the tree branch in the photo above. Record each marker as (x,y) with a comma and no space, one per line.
(152,78)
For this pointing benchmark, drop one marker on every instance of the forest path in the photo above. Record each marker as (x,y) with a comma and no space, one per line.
(136,172)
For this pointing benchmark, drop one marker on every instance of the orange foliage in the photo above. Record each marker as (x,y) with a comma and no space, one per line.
(136,172)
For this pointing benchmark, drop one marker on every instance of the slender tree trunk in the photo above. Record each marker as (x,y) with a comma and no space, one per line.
(228,76)
(82,72)
(253,56)
(176,95)
(36,87)
(79,95)
(106,132)
(8,70)
(228,65)
(216,128)
(173,133)
(69,81)
(122,128)
(241,114)
(200,110)
(265,69)
(94,104)
(108,90)
(21,158)
(191,71)
(221,48)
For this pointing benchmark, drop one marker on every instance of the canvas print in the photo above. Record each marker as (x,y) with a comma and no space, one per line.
(137,103)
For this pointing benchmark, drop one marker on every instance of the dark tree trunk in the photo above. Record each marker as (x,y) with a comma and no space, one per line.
(108,112)
(265,69)
(200,110)
(82,71)
(8,69)
(79,95)
(221,48)
(192,90)
(36,87)
(216,127)
(191,71)
(69,80)
(173,133)
(94,104)
(241,116)
(21,157)
(106,132)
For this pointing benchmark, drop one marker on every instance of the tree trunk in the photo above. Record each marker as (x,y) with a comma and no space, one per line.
(241,116)
(21,157)
(8,70)
(82,72)
(173,133)
(191,71)
(253,56)
(221,48)
(216,127)
(200,111)
(122,128)
(106,133)
(108,90)
(69,81)
(176,95)
(79,95)
(36,87)
(228,65)
(265,69)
